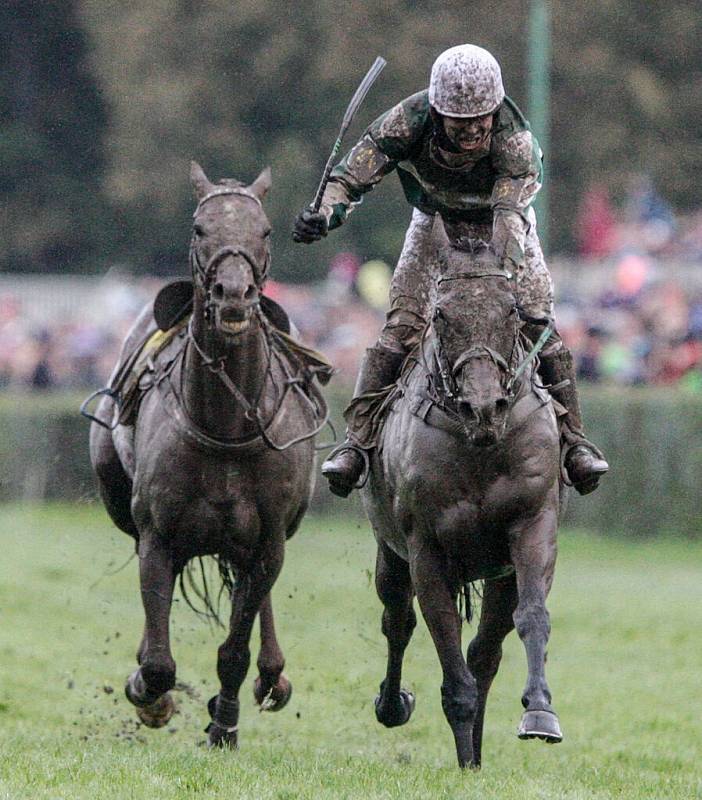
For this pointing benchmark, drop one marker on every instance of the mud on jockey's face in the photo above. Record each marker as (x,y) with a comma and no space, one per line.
(469,133)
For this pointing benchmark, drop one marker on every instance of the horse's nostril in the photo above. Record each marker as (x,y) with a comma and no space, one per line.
(501,404)
(466,408)
(250,293)
(218,291)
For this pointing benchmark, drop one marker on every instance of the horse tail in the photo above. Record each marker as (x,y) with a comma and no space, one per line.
(194,578)
(466,599)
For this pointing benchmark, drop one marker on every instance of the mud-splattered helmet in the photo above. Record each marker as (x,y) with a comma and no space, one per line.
(466,82)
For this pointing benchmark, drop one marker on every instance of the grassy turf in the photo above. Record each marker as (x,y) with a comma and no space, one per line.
(624,668)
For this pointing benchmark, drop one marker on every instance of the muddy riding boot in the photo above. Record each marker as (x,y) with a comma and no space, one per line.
(583,461)
(347,464)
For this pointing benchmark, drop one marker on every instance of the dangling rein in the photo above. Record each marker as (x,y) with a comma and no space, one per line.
(535,350)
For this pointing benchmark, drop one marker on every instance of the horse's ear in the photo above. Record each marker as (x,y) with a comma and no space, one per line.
(262,184)
(200,182)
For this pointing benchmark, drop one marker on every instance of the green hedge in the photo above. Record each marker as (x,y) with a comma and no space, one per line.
(652,439)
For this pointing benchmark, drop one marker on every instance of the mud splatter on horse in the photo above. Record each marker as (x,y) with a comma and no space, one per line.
(464,486)
(218,455)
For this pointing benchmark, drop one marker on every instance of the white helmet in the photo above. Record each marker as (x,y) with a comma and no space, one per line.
(466,82)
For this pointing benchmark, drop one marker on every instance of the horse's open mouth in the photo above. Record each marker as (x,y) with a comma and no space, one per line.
(484,438)
(234,326)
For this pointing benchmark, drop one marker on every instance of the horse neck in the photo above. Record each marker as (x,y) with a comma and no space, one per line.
(209,402)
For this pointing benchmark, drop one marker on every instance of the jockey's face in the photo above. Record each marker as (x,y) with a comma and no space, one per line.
(468,133)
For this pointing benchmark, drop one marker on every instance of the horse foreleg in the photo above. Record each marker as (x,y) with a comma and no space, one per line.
(533,549)
(394,705)
(234,655)
(437,600)
(272,689)
(148,687)
(485,650)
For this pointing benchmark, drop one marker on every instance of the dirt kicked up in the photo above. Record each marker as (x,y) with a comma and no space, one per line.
(625,662)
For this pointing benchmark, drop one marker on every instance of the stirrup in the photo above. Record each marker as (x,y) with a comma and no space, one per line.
(570,443)
(365,472)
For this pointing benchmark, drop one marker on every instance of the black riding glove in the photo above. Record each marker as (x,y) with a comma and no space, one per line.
(310,226)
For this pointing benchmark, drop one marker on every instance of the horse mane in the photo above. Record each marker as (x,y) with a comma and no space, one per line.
(230,183)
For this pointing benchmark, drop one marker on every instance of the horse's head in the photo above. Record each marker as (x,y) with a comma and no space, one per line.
(476,330)
(229,250)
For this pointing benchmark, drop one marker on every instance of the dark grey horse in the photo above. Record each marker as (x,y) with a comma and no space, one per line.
(220,460)
(464,486)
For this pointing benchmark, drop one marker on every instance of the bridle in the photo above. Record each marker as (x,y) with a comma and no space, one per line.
(217,364)
(206,273)
(510,372)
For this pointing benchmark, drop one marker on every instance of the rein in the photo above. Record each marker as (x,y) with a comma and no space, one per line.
(252,410)
(448,372)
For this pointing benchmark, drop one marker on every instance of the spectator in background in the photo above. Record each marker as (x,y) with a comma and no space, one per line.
(589,354)
(595,224)
(42,377)
(652,217)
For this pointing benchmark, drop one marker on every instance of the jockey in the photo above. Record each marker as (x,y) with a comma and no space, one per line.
(470,166)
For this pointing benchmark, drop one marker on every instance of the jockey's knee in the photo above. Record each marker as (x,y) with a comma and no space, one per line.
(553,344)
(402,331)
(397,340)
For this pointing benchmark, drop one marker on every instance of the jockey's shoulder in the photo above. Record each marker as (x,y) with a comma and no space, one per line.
(404,124)
(509,120)
(512,139)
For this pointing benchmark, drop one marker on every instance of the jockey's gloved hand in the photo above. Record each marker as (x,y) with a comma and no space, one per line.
(310,226)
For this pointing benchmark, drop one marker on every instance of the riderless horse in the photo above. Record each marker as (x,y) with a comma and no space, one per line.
(215,456)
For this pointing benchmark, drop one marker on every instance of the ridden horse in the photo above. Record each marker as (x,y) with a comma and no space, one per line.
(464,486)
(220,459)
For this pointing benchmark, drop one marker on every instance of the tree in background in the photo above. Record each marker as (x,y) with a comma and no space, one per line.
(51,124)
(101,174)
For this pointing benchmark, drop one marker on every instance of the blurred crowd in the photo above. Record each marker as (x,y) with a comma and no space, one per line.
(644,325)
(627,308)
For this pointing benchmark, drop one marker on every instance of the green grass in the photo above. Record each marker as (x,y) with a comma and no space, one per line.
(625,668)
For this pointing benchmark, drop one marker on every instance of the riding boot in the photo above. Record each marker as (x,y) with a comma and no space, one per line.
(583,461)
(348,462)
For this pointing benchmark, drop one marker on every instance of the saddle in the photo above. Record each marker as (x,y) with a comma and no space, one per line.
(156,353)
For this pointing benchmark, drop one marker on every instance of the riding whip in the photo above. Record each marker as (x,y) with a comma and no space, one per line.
(356,101)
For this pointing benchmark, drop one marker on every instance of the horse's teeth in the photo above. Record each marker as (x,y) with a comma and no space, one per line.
(236,327)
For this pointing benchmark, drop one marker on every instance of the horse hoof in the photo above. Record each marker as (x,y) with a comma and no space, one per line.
(158,713)
(395,714)
(540,724)
(276,697)
(223,738)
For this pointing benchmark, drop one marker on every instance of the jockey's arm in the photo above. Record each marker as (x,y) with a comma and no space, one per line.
(362,168)
(387,141)
(517,160)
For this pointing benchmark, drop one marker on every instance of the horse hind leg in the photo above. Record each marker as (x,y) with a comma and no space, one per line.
(394,705)
(272,689)
(148,687)
(485,650)
(234,655)
(114,484)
